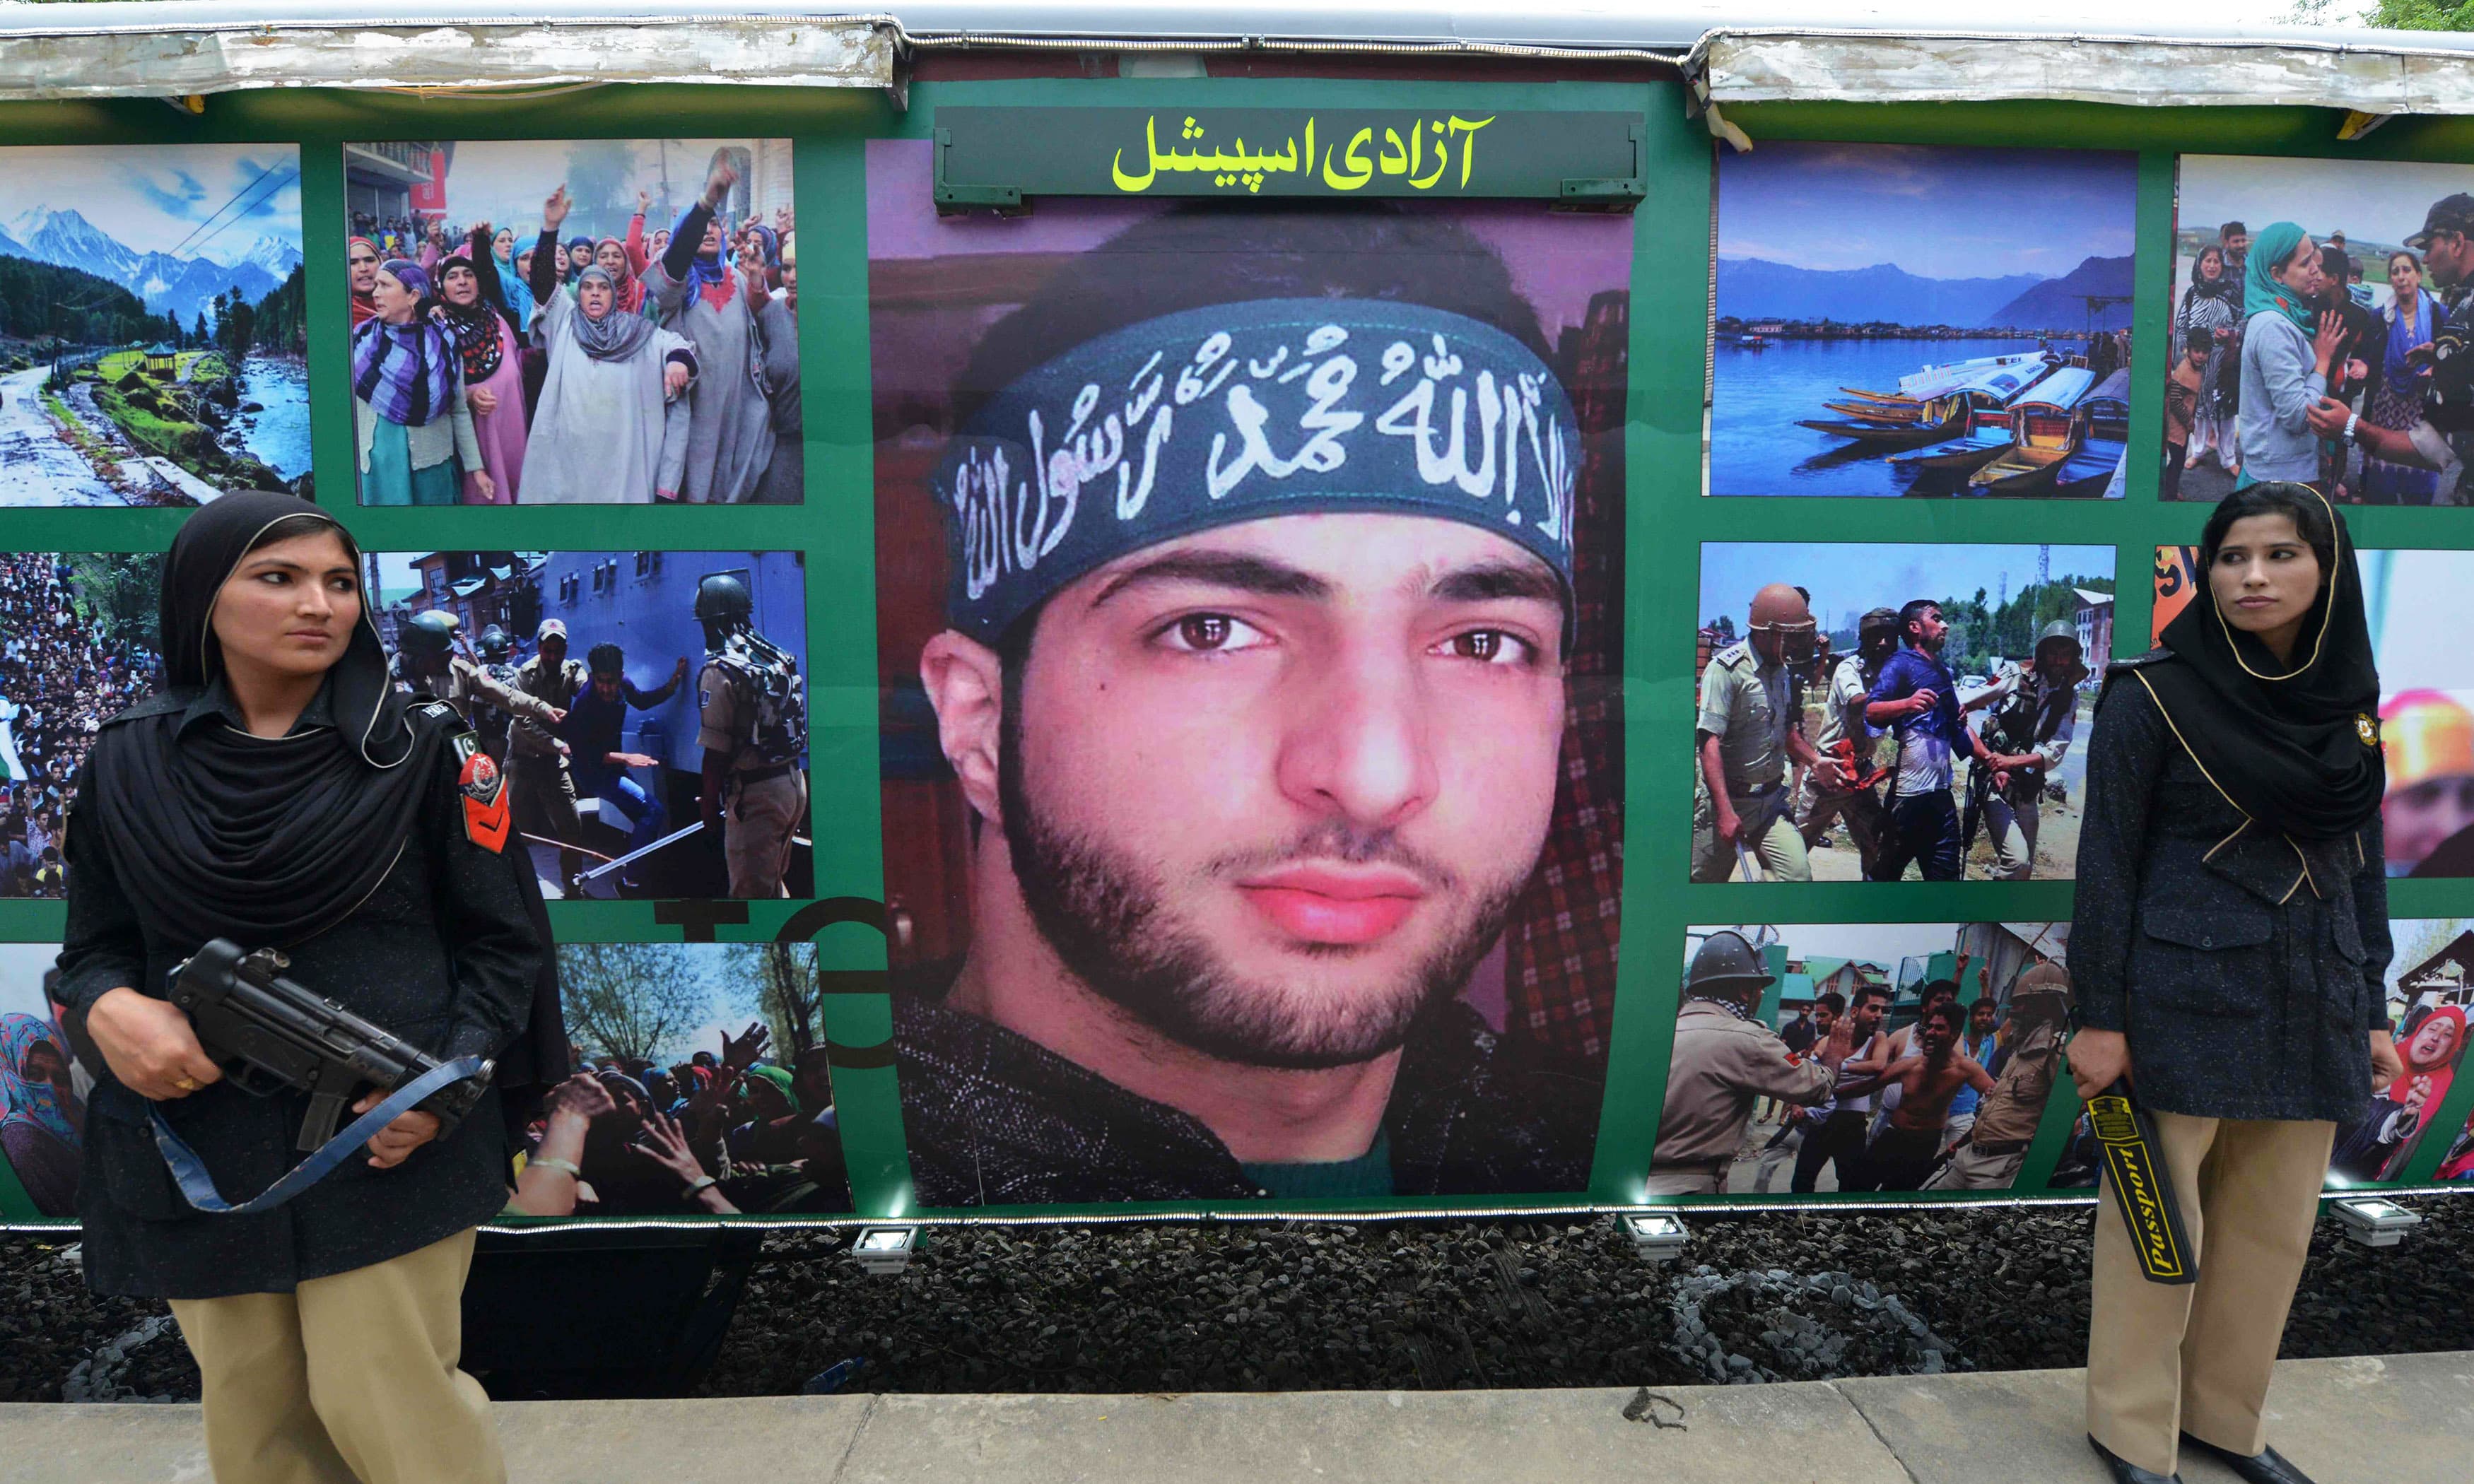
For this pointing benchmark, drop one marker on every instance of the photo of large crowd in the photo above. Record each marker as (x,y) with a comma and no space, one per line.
(589,322)
(1861,1057)
(2318,305)
(650,708)
(2426,697)
(701,1087)
(42,1090)
(77,638)
(1870,711)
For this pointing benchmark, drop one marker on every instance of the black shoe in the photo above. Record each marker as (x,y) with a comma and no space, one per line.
(2125,1471)
(2266,1467)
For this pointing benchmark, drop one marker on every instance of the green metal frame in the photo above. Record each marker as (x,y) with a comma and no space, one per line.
(1666,515)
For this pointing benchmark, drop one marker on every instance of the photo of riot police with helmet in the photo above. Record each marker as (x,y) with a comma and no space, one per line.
(1860,1057)
(649,708)
(1861,716)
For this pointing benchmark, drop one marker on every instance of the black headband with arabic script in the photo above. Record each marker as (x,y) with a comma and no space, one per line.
(1233,413)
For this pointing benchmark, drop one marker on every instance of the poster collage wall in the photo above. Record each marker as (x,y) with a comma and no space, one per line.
(1249,605)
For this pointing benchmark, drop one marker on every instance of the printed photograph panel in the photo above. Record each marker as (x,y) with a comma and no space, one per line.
(1249,605)
(1887,320)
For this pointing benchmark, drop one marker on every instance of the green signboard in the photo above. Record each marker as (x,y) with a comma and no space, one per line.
(996,157)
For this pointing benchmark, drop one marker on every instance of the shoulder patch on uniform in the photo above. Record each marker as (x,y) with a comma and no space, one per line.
(1738,651)
(438,710)
(485,794)
(2141,661)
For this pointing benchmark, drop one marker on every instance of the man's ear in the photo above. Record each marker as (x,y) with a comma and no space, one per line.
(965,683)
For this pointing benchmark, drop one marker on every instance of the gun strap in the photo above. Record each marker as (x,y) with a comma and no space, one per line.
(198,1187)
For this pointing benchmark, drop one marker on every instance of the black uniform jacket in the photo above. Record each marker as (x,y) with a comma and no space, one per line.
(996,1119)
(443,953)
(2248,968)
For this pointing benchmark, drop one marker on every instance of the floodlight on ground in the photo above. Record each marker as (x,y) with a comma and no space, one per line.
(1657,1236)
(2374,1222)
(885,1251)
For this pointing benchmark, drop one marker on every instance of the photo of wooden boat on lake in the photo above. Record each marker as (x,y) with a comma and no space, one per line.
(1889,323)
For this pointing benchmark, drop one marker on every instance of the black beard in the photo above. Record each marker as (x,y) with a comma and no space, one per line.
(1101,914)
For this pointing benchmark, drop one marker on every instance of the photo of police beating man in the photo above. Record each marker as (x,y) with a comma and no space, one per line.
(1888,712)
(1860,1057)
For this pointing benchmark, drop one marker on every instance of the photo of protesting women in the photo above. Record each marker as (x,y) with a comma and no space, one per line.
(701,1087)
(599,322)
(1860,1057)
(77,646)
(2318,307)
(42,1090)
(2426,720)
(1865,713)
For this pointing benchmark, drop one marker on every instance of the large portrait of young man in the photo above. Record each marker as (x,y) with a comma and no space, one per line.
(1248,594)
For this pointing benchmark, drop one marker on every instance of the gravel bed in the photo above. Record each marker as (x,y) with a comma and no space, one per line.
(1402,1306)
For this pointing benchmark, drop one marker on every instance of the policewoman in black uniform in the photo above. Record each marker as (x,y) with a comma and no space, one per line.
(2229,952)
(281,793)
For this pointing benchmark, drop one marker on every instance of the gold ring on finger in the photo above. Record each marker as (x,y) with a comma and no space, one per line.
(188,1084)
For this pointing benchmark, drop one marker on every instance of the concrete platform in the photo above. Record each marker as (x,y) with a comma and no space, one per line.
(2400,1419)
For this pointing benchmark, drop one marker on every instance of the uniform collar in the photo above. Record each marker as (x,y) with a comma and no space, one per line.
(216,702)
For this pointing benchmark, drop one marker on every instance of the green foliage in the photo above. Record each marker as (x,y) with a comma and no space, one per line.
(777,981)
(38,299)
(2423,14)
(627,999)
(1979,634)
(121,592)
(280,322)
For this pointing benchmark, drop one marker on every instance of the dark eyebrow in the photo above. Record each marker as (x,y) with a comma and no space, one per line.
(1219,570)
(1488,582)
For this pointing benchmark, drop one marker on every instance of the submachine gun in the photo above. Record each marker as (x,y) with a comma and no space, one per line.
(269,1035)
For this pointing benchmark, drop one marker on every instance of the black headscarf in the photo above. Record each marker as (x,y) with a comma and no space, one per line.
(2296,749)
(264,841)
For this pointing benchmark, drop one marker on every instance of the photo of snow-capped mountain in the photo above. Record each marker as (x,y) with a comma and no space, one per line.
(152,330)
(168,284)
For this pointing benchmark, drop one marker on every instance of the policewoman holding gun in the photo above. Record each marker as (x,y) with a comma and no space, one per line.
(2229,956)
(281,793)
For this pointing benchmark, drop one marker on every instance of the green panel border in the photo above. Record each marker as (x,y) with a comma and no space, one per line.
(1667,519)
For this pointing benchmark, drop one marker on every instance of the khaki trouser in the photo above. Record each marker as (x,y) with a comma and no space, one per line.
(1971,1168)
(756,841)
(1770,837)
(350,1378)
(1688,1180)
(2165,1359)
(2012,828)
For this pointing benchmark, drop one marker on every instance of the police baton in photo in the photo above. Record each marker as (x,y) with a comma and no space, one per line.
(1248,622)
(1868,712)
(1860,1057)
(596,321)
(649,708)
(153,324)
(1897,319)
(2320,315)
